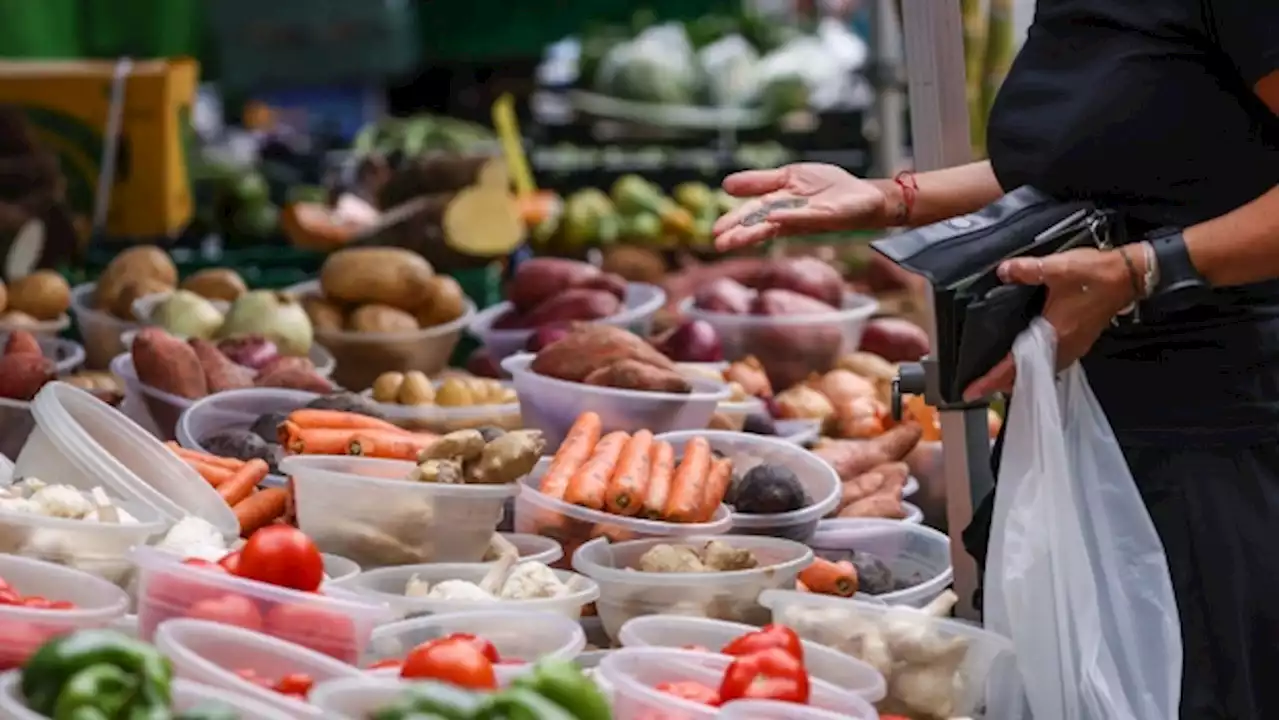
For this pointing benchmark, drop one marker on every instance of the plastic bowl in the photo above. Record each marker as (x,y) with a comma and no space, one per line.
(162,408)
(442,419)
(100,549)
(790,346)
(333,622)
(362,357)
(733,414)
(626,593)
(82,441)
(187,696)
(41,328)
(386,585)
(642,302)
(914,515)
(911,551)
(820,482)
(516,634)
(235,410)
(572,525)
(552,405)
(799,432)
(990,678)
(535,547)
(365,509)
(338,568)
(778,710)
(211,653)
(23,630)
(824,663)
(357,698)
(16,422)
(634,672)
(100,331)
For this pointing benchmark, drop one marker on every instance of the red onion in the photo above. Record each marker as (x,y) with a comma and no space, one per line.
(251,351)
(692,341)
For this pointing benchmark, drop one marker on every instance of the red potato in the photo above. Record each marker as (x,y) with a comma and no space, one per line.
(575,304)
(895,340)
(724,295)
(804,275)
(788,302)
(540,279)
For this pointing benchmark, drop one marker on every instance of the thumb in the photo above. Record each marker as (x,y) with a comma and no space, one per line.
(750,183)
(1022,271)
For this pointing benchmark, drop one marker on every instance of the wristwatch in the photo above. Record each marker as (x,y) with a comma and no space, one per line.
(1178,285)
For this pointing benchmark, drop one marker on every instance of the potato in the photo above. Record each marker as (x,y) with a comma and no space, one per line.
(325,316)
(123,305)
(454,392)
(540,279)
(723,295)
(416,389)
(788,302)
(804,275)
(17,319)
(387,387)
(43,294)
(377,276)
(381,319)
(132,265)
(895,340)
(570,305)
(589,347)
(636,375)
(216,284)
(445,303)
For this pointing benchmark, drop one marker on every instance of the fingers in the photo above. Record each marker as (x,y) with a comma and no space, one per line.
(1068,267)
(739,236)
(750,183)
(998,379)
(1025,271)
(754,212)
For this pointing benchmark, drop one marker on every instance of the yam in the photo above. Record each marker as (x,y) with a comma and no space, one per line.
(590,347)
(636,375)
(571,305)
(168,364)
(895,340)
(804,275)
(538,279)
(377,275)
(724,295)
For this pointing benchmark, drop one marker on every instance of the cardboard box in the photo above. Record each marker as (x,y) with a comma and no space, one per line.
(69,105)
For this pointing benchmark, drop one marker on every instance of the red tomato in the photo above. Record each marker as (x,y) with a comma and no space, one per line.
(457,662)
(691,691)
(388,663)
(37,602)
(485,647)
(174,591)
(62,605)
(284,556)
(20,640)
(326,631)
(766,638)
(9,596)
(295,684)
(229,609)
(231,562)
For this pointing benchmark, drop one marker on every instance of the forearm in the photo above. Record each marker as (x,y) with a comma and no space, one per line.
(1240,247)
(941,194)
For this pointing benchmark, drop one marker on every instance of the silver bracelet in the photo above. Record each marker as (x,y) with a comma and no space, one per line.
(1151,276)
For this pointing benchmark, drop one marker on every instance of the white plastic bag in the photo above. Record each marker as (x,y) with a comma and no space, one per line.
(1076,575)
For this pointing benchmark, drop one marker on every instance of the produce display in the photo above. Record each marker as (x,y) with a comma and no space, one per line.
(609,357)
(254,317)
(24,369)
(507,580)
(495,457)
(35,497)
(415,389)
(712,556)
(768,665)
(321,431)
(39,297)
(462,667)
(195,368)
(237,483)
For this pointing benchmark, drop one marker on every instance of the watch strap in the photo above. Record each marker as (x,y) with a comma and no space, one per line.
(1175,272)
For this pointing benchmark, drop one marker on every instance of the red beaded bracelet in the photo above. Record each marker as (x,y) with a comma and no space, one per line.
(906,180)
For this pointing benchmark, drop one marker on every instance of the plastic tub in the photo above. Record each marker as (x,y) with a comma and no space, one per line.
(572,525)
(41,328)
(82,441)
(820,482)
(910,487)
(211,653)
(552,405)
(100,549)
(627,593)
(442,419)
(364,509)
(332,622)
(914,515)
(99,330)
(23,630)
(778,710)
(16,422)
(914,552)
(733,413)
(799,432)
(642,302)
(357,698)
(790,346)
(362,357)
(516,634)
(187,696)
(338,568)
(235,410)
(386,585)
(634,672)
(824,663)
(988,672)
(535,547)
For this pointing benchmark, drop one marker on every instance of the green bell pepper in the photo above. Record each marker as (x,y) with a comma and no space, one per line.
(564,683)
(523,704)
(105,670)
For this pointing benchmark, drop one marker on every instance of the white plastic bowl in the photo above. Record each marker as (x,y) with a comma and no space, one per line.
(990,677)
(365,509)
(333,622)
(100,549)
(187,696)
(100,330)
(23,630)
(357,698)
(387,585)
(626,593)
(913,552)
(799,432)
(212,653)
(235,410)
(445,419)
(80,440)
(790,346)
(777,710)
(634,672)
(914,515)
(338,568)
(552,405)
(522,635)
(535,547)
(42,328)
(16,422)
(819,480)
(642,302)
(823,663)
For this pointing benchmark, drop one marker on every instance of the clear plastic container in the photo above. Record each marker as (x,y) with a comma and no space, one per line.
(823,663)
(820,482)
(572,525)
(778,710)
(16,422)
(790,346)
(634,674)
(100,331)
(80,440)
(733,413)
(365,509)
(235,410)
(552,405)
(642,302)
(445,419)
(23,630)
(100,549)
(42,328)
(338,568)
(212,653)
(910,487)
(914,553)
(187,696)
(517,635)
(535,547)
(387,586)
(627,593)
(986,677)
(799,432)
(357,698)
(362,357)
(333,622)
(914,515)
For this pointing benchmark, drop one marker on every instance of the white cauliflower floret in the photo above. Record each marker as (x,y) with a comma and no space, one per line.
(531,580)
(458,590)
(21,505)
(193,537)
(62,501)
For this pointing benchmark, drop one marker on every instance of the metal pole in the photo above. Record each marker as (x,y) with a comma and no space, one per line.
(886,62)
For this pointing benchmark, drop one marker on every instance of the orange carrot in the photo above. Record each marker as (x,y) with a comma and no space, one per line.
(717,485)
(335,441)
(242,484)
(204,457)
(688,486)
(212,474)
(574,451)
(589,484)
(309,418)
(625,492)
(828,578)
(260,509)
(389,446)
(662,462)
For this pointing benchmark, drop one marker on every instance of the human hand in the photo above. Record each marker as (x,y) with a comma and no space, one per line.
(1086,289)
(796,200)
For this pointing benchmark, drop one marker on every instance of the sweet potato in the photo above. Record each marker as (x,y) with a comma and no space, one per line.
(295,378)
(724,295)
(804,275)
(611,283)
(21,342)
(538,279)
(22,375)
(168,364)
(895,340)
(590,347)
(219,372)
(788,302)
(637,375)
(575,304)
(851,458)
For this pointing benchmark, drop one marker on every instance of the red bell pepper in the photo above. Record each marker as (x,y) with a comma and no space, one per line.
(766,638)
(692,691)
(772,674)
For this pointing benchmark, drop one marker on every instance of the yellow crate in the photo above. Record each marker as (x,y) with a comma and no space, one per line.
(69,103)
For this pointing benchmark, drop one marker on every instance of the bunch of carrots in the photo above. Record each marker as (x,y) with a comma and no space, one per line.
(237,483)
(334,432)
(634,475)
(829,578)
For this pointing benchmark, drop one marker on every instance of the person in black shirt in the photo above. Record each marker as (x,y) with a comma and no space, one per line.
(1164,111)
